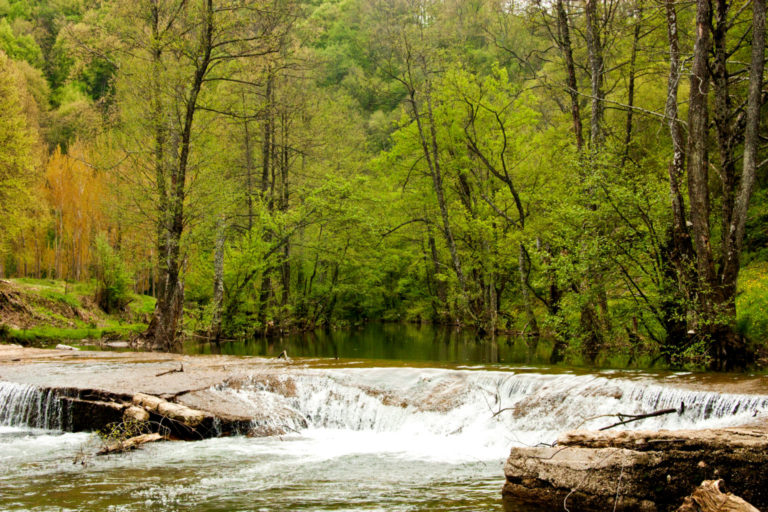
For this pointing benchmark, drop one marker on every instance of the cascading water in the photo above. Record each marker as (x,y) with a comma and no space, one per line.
(21,404)
(395,439)
(446,403)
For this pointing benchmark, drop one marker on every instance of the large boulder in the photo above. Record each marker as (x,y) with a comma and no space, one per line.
(638,470)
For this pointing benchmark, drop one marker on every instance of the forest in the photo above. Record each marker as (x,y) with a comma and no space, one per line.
(589,172)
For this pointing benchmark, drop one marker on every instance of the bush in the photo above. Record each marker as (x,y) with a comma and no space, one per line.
(114,283)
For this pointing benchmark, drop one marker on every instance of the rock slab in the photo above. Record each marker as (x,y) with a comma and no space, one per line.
(649,471)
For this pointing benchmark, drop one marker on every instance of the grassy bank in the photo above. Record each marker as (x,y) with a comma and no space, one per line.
(44,312)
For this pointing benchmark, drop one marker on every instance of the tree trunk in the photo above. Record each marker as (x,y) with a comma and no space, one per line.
(218,280)
(631,85)
(163,330)
(729,349)
(721,116)
(698,159)
(566,49)
(525,269)
(597,68)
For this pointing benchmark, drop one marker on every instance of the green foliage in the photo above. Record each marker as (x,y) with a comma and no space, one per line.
(16,157)
(399,161)
(752,303)
(21,47)
(114,289)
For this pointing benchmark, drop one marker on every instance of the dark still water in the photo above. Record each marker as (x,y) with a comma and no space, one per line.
(394,342)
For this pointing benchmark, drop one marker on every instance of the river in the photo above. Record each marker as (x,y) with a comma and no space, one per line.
(362,435)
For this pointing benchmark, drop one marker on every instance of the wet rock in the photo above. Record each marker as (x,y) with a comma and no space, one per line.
(638,470)
(61,346)
(89,415)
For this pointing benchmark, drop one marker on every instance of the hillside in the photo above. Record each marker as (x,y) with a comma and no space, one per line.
(45,312)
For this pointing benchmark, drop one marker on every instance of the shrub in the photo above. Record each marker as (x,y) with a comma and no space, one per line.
(114,283)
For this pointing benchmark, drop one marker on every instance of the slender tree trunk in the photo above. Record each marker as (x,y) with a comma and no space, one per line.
(285,267)
(437,180)
(266,149)
(597,69)
(158,125)
(248,176)
(564,42)
(631,85)
(525,270)
(676,169)
(721,116)
(218,279)
(432,156)
(679,276)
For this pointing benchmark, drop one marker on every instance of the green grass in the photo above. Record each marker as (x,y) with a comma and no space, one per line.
(74,295)
(47,335)
(752,302)
(142,304)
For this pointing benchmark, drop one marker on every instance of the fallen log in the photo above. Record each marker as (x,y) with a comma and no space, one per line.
(124,445)
(177,412)
(135,413)
(709,497)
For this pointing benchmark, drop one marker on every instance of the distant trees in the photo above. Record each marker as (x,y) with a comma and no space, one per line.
(18,166)
(575,171)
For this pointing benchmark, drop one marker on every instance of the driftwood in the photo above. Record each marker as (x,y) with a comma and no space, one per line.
(124,445)
(135,413)
(177,412)
(629,418)
(708,497)
(175,370)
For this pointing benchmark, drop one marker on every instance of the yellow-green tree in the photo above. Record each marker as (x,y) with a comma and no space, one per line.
(17,142)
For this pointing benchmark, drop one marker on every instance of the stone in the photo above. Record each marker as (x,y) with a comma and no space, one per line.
(638,470)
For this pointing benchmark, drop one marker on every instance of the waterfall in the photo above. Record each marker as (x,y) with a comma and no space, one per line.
(24,405)
(530,407)
(526,407)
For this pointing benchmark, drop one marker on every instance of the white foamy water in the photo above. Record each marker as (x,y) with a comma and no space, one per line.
(403,439)
(487,411)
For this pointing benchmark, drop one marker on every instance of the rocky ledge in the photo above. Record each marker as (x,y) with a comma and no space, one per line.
(176,395)
(649,471)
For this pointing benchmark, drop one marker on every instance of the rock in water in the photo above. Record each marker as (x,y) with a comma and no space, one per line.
(638,470)
(61,346)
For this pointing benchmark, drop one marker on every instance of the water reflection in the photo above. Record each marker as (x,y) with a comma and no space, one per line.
(399,342)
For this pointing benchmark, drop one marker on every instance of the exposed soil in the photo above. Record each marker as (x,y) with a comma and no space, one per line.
(20,309)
